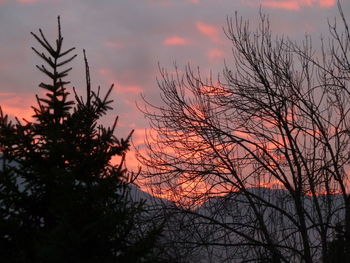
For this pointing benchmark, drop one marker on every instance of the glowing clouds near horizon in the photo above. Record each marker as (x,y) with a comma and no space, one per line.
(293,4)
(17,105)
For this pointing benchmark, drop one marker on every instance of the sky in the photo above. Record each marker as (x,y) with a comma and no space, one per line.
(126,40)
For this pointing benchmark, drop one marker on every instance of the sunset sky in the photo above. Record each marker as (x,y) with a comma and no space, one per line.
(126,39)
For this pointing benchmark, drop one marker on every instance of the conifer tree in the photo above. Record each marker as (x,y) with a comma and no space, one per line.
(61,198)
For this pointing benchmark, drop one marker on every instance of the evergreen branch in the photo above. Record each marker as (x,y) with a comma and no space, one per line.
(76,96)
(36,111)
(41,107)
(18,121)
(63,73)
(66,61)
(66,52)
(44,70)
(47,43)
(88,82)
(51,87)
(58,46)
(105,102)
(60,38)
(122,161)
(114,124)
(4,118)
(48,48)
(48,60)
(46,86)
(129,136)
(46,100)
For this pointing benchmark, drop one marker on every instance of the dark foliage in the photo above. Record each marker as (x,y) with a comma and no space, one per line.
(61,199)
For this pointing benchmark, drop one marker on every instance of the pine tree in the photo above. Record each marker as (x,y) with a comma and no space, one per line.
(61,199)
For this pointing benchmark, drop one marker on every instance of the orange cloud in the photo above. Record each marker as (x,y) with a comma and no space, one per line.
(212,32)
(293,4)
(175,41)
(17,105)
(139,135)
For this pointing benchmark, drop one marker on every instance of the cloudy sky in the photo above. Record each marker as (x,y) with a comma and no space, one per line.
(126,39)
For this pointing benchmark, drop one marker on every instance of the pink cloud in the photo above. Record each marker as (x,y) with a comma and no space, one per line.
(128,93)
(162,2)
(175,41)
(215,53)
(114,44)
(194,1)
(104,71)
(293,4)
(123,89)
(135,89)
(28,1)
(327,3)
(212,32)
(23,1)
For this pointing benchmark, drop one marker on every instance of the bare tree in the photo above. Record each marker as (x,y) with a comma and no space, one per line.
(278,118)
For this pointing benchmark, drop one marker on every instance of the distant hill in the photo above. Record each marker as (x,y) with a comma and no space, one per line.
(216,230)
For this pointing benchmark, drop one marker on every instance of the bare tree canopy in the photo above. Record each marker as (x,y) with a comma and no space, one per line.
(278,117)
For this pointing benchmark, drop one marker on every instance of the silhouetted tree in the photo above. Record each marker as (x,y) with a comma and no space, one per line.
(61,198)
(278,118)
